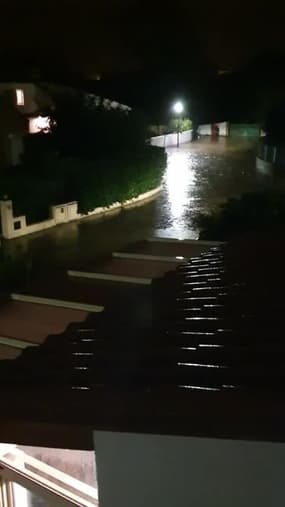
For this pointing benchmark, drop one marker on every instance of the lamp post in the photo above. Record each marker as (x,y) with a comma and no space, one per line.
(178,109)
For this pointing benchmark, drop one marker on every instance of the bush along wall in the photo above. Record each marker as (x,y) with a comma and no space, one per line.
(33,187)
(130,175)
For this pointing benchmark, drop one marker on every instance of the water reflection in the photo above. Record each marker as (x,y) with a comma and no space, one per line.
(178,181)
(199,177)
(179,177)
(174,203)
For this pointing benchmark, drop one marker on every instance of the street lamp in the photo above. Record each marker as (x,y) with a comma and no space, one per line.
(178,109)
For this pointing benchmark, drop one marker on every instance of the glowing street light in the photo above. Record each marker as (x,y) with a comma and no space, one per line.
(178,109)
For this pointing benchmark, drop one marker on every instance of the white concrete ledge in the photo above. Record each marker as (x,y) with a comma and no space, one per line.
(64,213)
(101,211)
(186,241)
(60,303)
(110,278)
(140,199)
(145,257)
(15,343)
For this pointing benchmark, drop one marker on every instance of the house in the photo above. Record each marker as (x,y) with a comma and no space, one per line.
(30,100)
(25,108)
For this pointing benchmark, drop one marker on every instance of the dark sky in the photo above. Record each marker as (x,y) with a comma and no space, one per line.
(235,32)
(96,36)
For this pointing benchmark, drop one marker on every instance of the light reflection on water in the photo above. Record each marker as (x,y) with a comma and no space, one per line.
(199,177)
(178,191)
(178,182)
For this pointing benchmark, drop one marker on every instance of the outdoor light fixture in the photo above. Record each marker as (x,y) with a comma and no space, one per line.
(178,107)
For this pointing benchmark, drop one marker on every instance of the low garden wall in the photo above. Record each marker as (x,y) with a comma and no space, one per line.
(171,139)
(14,227)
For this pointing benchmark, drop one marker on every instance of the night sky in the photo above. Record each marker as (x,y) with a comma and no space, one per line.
(112,36)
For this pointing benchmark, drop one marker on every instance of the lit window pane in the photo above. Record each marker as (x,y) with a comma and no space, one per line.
(20,97)
(39,124)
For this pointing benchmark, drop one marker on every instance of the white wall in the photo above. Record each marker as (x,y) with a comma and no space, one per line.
(61,213)
(135,470)
(223,128)
(171,139)
(65,212)
(206,130)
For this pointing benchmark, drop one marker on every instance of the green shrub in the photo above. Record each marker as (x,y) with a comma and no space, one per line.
(250,212)
(181,124)
(93,183)
(123,179)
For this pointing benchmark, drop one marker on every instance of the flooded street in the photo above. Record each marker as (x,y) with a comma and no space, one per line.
(198,177)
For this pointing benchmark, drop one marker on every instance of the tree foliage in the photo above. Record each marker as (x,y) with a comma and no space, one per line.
(182,125)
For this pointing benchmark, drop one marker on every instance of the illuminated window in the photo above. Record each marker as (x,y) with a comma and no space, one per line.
(20,97)
(39,124)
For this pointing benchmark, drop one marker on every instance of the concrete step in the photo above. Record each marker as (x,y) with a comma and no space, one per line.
(170,248)
(93,292)
(57,303)
(24,324)
(125,270)
(34,322)
(123,302)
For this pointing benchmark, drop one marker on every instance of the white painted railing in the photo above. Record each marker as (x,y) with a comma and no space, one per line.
(58,488)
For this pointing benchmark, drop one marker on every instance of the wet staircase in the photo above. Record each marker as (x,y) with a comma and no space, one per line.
(122,282)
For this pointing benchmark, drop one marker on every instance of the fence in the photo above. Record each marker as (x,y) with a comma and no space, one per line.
(207,130)
(244,130)
(171,139)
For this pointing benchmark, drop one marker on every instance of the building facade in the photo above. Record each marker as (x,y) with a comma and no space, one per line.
(26,108)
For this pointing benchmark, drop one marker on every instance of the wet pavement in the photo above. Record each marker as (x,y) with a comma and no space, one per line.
(199,177)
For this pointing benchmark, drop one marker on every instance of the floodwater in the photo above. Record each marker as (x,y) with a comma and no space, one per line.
(199,177)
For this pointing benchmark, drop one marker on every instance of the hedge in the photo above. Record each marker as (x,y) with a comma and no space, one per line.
(34,187)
